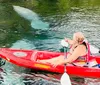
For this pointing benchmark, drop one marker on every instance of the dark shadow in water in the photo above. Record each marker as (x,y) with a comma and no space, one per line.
(1,77)
(2,62)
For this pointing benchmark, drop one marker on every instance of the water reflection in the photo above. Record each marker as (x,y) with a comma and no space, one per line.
(23,44)
(38,79)
(89,81)
(15,76)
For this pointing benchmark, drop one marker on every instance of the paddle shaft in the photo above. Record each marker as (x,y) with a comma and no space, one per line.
(65,79)
(65,56)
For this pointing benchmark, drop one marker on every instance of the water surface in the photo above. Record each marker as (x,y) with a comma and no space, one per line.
(64,17)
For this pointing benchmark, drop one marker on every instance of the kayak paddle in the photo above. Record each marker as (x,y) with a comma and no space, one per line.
(65,79)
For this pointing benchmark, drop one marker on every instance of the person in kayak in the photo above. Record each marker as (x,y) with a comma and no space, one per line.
(77,50)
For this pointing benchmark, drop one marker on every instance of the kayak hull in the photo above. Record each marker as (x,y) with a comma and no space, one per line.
(27,58)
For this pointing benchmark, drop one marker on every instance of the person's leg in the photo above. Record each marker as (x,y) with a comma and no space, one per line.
(52,59)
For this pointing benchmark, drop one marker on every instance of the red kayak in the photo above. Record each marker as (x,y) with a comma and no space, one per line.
(27,58)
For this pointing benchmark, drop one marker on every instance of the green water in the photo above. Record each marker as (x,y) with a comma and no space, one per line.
(64,16)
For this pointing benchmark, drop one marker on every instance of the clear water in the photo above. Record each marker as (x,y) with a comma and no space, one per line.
(64,17)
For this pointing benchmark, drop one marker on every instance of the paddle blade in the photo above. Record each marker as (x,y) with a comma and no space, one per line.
(65,79)
(64,43)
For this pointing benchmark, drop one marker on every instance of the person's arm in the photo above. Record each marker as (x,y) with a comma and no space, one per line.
(79,51)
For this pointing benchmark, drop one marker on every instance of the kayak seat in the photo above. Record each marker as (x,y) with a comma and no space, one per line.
(37,55)
(82,64)
(92,63)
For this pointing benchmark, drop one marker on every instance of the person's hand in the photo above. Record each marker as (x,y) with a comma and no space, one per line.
(56,63)
(66,39)
(69,41)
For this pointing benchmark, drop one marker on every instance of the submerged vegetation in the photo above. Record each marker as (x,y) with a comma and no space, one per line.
(12,23)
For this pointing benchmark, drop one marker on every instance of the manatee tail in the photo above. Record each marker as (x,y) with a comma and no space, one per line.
(36,23)
(26,13)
